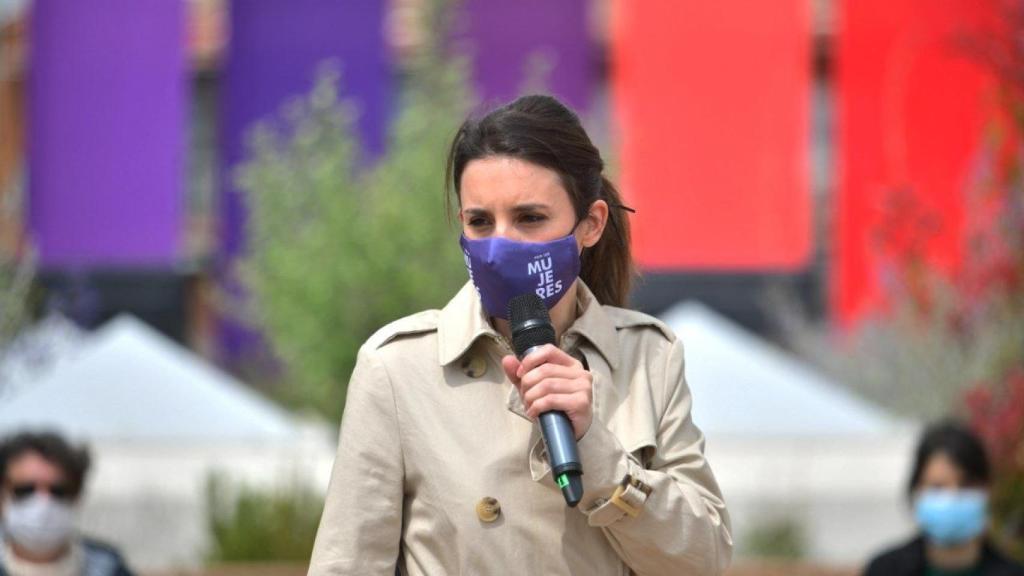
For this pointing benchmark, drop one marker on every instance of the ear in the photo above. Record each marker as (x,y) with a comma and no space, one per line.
(592,225)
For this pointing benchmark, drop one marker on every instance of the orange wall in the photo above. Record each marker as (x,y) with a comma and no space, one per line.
(713,103)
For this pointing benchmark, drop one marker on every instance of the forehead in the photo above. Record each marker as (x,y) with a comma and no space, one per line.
(499,180)
(30,466)
(940,469)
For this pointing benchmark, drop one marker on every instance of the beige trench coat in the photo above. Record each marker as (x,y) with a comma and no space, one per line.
(432,426)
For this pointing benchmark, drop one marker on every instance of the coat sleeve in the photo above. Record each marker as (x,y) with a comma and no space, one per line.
(682,526)
(360,530)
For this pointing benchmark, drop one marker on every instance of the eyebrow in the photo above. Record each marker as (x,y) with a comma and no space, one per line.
(471,212)
(533,207)
(519,208)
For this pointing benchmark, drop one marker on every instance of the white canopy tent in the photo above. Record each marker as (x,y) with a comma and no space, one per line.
(160,421)
(789,445)
(129,382)
(37,351)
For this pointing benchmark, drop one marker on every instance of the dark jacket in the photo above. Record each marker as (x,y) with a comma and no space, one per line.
(909,560)
(100,560)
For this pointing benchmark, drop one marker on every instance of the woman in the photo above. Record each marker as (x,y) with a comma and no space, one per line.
(441,468)
(949,493)
(41,478)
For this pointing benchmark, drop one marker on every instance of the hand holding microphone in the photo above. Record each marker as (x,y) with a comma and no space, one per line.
(555,388)
(548,373)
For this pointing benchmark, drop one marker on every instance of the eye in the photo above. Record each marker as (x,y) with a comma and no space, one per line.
(532,218)
(477,222)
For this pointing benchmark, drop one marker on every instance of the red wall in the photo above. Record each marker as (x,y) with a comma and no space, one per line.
(911,110)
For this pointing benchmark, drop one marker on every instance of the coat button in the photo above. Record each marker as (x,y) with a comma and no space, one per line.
(474,367)
(488,509)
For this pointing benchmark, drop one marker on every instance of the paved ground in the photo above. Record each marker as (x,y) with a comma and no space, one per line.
(746,569)
(787,569)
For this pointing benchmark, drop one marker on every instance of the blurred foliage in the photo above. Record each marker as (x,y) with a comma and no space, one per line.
(916,366)
(996,412)
(776,539)
(249,525)
(954,342)
(994,280)
(15,284)
(341,245)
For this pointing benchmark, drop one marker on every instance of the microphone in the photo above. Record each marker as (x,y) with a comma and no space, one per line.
(531,328)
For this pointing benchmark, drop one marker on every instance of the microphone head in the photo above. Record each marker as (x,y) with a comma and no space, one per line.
(529,323)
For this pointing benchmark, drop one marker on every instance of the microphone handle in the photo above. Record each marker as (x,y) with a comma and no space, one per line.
(563,454)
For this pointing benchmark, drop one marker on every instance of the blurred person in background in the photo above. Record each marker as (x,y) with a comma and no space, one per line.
(440,466)
(43,477)
(949,496)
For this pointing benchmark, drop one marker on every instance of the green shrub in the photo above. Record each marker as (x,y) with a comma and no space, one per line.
(337,248)
(777,539)
(15,287)
(250,525)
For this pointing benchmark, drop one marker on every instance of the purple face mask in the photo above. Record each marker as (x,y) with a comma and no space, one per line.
(503,269)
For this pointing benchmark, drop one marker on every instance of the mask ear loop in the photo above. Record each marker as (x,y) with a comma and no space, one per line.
(615,206)
(573,233)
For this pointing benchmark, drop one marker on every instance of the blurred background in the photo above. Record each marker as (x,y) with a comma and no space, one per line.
(207,205)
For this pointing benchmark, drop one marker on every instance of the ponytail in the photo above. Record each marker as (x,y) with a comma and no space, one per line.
(607,267)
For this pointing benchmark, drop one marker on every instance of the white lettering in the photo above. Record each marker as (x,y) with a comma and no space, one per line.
(545,278)
(543,267)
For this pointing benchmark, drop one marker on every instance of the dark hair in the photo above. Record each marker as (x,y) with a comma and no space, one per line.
(543,131)
(958,443)
(74,462)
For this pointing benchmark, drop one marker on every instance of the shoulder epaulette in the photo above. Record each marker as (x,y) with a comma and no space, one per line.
(418,323)
(625,318)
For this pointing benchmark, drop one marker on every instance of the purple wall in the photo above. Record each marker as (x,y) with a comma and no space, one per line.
(106,132)
(502,35)
(275,49)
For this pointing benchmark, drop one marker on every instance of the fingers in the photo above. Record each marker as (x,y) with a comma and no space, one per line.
(510,364)
(573,405)
(554,387)
(547,354)
(545,371)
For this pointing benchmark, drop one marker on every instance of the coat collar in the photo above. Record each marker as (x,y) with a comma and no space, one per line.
(594,324)
(463,321)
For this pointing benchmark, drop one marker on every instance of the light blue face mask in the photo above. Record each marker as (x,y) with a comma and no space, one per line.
(950,517)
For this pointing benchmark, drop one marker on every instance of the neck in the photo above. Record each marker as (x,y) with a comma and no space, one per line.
(37,558)
(956,557)
(562,316)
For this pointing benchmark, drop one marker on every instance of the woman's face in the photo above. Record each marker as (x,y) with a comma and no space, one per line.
(517,200)
(948,510)
(941,473)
